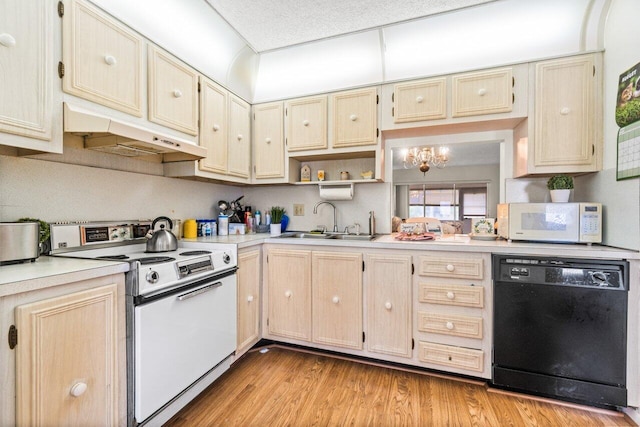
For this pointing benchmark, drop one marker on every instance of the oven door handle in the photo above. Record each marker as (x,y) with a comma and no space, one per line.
(199,291)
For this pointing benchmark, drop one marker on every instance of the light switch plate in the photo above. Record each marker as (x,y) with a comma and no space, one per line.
(298,209)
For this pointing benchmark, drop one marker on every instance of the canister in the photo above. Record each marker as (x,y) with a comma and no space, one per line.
(223,225)
(190,230)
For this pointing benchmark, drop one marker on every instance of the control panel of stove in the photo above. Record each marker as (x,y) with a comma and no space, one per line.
(194,266)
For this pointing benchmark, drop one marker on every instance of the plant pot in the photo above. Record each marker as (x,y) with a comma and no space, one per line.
(276,229)
(560,196)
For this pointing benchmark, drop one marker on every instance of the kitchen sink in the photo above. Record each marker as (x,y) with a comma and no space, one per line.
(365,237)
(305,235)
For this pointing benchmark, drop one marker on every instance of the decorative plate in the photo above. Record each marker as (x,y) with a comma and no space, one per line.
(483,226)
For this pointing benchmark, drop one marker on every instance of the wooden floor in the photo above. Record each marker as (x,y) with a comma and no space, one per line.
(285,387)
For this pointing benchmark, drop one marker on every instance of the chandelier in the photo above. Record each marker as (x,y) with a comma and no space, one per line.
(424,156)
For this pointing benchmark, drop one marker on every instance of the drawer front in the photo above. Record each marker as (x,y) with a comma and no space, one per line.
(451,267)
(482,93)
(460,295)
(459,326)
(455,357)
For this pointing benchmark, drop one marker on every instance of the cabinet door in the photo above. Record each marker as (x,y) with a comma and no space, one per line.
(103,59)
(337,299)
(26,70)
(239,137)
(355,114)
(173,92)
(306,123)
(388,285)
(486,92)
(268,141)
(289,276)
(564,112)
(248,299)
(213,126)
(420,100)
(66,362)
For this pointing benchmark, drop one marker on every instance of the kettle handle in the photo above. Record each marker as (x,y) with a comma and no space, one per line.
(153,224)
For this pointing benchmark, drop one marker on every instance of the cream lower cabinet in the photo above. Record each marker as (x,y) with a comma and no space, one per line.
(388,313)
(249,301)
(337,299)
(289,290)
(453,312)
(68,360)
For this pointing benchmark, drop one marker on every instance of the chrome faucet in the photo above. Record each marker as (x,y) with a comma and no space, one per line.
(335,222)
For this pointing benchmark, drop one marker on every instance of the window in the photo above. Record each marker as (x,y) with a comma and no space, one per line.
(454,202)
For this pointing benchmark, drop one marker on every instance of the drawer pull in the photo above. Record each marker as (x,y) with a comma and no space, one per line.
(177,93)
(565,111)
(305,122)
(110,60)
(450,358)
(387,305)
(353,117)
(449,325)
(335,299)
(419,99)
(482,92)
(451,295)
(250,298)
(450,267)
(267,140)
(216,128)
(7,40)
(78,389)
(240,137)
(288,294)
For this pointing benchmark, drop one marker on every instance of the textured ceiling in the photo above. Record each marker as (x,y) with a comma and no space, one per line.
(269,24)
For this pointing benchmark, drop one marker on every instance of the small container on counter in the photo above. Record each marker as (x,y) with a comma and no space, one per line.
(223,225)
(190,229)
(200,225)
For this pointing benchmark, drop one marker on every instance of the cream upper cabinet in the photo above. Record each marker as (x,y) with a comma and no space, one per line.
(420,100)
(173,92)
(102,59)
(485,92)
(337,299)
(306,123)
(67,360)
(564,135)
(213,126)
(27,70)
(268,141)
(354,117)
(389,307)
(289,293)
(249,301)
(239,137)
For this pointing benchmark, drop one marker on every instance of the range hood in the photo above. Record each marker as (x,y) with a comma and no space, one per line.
(102,133)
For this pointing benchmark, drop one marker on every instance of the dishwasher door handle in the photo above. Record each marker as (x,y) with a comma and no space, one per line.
(199,291)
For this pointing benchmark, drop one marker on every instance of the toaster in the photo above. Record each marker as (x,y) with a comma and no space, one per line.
(19,242)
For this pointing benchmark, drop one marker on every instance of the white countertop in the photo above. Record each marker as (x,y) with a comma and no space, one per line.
(49,271)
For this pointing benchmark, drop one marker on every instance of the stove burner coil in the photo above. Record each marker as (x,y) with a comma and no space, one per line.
(190,253)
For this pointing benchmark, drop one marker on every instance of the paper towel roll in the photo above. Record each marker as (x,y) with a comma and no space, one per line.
(336,191)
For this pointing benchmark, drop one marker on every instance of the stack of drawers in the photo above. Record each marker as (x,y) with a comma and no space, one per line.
(454,313)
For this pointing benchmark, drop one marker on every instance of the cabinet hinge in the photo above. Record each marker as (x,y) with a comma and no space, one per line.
(286,142)
(362,336)
(254,169)
(60,9)
(513,98)
(362,265)
(393,111)
(60,69)
(377,99)
(413,269)
(286,110)
(393,96)
(267,321)
(593,149)
(513,82)
(594,70)
(199,87)
(377,132)
(13,337)
(413,343)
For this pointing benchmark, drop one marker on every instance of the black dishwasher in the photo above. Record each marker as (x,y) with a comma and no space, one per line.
(560,328)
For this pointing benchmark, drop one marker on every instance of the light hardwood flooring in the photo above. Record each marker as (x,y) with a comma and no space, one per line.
(284,387)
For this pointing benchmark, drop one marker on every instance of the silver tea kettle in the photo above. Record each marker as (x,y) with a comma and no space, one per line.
(162,240)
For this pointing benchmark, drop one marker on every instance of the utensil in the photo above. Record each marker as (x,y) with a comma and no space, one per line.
(162,240)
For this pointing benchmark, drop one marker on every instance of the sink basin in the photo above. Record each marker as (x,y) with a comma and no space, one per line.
(302,235)
(365,237)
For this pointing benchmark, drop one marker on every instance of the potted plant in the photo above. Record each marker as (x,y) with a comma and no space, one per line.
(560,187)
(277,212)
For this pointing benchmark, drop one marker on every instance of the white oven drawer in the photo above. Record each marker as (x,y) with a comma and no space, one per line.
(179,338)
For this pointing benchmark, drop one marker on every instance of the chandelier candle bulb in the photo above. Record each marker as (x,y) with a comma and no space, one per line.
(424,156)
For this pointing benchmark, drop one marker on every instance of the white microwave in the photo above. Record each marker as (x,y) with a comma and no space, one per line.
(551,222)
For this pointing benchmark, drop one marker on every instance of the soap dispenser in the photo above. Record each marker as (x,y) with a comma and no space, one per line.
(372,224)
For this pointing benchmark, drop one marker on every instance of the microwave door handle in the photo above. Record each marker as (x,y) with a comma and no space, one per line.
(199,291)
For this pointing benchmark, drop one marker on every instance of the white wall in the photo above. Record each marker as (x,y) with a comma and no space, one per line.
(621,199)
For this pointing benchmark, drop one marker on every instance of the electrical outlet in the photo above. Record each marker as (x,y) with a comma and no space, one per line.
(298,209)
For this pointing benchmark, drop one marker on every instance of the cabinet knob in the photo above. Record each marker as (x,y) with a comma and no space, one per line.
(250,298)
(353,117)
(449,325)
(216,128)
(267,140)
(177,93)
(564,111)
(7,40)
(419,99)
(482,92)
(288,294)
(305,122)
(387,305)
(335,299)
(451,295)
(110,60)
(450,267)
(78,389)
(239,137)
